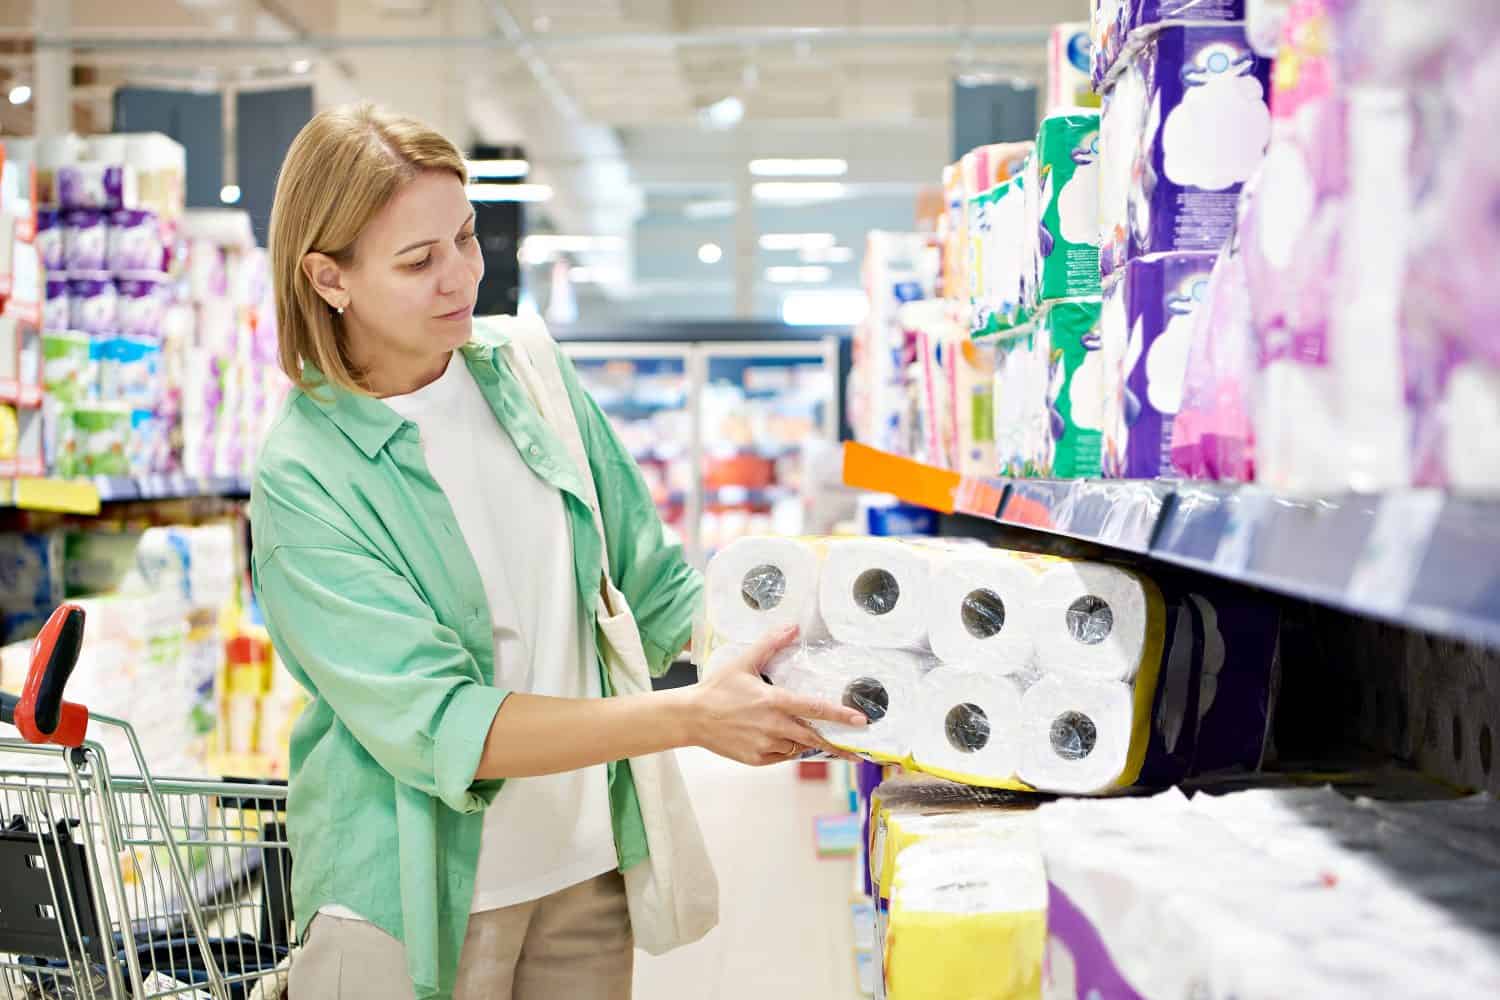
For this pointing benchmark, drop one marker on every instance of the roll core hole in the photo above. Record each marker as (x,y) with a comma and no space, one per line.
(1090,620)
(968,728)
(764,587)
(983,614)
(869,696)
(1074,735)
(876,591)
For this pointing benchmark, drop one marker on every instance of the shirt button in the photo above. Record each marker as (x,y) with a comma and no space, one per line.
(535,451)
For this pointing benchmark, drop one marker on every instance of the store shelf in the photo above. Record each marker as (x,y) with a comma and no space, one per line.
(63,496)
(170,487)
(1419,558)
(735,495)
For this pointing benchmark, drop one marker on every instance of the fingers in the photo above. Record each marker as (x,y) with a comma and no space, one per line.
(765,650)
(821,711)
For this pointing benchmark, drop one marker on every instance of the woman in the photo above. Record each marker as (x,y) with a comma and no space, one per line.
(461,806)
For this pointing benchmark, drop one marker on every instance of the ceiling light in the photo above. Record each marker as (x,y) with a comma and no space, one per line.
(566,243)
(797,192)
(229,194)
(509,192)
(582,275)
(798,275)
(827,255)
(20,94)
(301,66)
(799,168)
(710,253)
(796,241)
(497,168)
(725,114)
(824,308)
(718,208)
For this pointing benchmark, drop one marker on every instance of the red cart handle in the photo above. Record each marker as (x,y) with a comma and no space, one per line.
(40,713)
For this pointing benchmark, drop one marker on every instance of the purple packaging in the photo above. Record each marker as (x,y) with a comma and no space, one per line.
(1145,13)
(84,240)
(1146,326)
(49,240)
(1204,125)
(57,310)
(134,242)
(141,304)
(1077,961)
(98,186)
(94,303)
(1122,27)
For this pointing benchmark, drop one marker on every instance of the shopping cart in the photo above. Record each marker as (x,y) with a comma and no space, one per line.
(129,887)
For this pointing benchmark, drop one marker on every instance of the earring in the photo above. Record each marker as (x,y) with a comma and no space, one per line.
(341,310)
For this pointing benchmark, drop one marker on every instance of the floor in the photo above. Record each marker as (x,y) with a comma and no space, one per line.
(785,930)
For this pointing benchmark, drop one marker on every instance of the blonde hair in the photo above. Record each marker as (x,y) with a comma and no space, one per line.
(342,168)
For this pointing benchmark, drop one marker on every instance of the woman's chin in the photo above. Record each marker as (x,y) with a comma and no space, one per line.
(454,333)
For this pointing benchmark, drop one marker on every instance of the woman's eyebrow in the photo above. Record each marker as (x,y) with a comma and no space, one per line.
(414,246)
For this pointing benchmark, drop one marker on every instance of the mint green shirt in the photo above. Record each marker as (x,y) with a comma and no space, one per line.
(377,608)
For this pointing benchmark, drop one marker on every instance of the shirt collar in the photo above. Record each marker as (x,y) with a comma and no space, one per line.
(368,421)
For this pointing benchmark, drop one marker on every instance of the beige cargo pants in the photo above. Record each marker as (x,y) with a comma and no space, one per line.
(572,945)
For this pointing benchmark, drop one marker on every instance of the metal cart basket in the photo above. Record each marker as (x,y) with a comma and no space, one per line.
(129,888)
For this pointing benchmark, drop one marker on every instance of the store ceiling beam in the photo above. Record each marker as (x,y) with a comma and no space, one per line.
(847,35)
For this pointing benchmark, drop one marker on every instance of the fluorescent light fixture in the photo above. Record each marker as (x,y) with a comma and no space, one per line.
(543,247)
(827,255)
(799,168)
(583,275)
(718,208)
(20,94)
(725,114)
(798,275)
(497,168)
(229,194)
(509,192)
(824,308)
(796,241)
(301,66)
(710,253)
(797,192)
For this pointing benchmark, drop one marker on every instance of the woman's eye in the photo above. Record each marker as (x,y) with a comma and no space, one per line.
(421,263)
(465,237)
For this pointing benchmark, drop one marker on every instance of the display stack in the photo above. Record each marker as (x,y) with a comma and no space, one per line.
(1235,269)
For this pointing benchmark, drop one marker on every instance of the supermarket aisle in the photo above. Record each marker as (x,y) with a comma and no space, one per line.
(785,930)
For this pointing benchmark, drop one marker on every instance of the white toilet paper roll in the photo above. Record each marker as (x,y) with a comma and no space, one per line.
(722,656)
(1092,621)
(1075,734)
(874,592)
(969,724)
(882,683)
(758,584)
(983,610)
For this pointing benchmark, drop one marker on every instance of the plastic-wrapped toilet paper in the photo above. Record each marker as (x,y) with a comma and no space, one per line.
(756,585)
(1023,429)
(1069,67)
(1121,124)
(999,258)
(1067,153)
(1205,131)
(135,242)
(972,397)
(57,310)
(103,187)
(881,683)
(141,304)
(968,726)
(875,592)
(93,304)
(1146,329)
(1095,621)
(85,238)
(1076,735)
(982,612)
(1075,388)
(49,240)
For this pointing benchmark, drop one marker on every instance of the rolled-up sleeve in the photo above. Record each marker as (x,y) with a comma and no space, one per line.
(399,680)
(651,571)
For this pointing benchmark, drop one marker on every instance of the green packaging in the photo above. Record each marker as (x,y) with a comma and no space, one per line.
(1067,150)
(1075,388)
(65,365)
(101,437)
(999,268)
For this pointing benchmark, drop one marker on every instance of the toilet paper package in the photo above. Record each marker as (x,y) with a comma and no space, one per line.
(49,240)
(134,242)
(105,187)
(1108,24)
(757,585)
(93,303)
(998,257)
(1205,128)
(1262,894)
(982,611)
(1121,124)
(1070,68)
(1023,427)
(1067,153)
(1075,388)
(57,311)
(972,396)
(85,237)
(1212,434)
(968,725)
(141,303)
(1120,28)
(1146,330)
(967,919)
(881,683)
(875,592)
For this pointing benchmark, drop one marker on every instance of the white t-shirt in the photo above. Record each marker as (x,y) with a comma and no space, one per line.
(541,835)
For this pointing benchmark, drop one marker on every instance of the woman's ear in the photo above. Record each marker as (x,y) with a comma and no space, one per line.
(327,279)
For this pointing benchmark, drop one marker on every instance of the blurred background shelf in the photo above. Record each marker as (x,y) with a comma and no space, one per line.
(1419,558)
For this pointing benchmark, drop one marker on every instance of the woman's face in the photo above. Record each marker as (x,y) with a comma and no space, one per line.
(408,294)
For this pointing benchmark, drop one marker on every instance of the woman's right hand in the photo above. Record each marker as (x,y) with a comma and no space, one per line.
(738,715)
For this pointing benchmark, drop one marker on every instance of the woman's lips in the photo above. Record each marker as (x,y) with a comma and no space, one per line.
(458,313)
